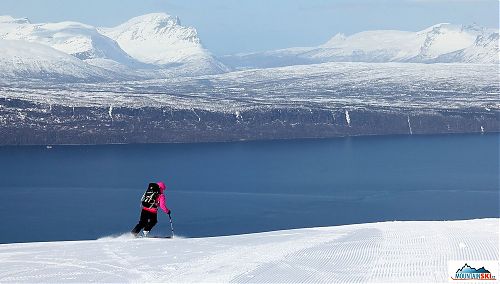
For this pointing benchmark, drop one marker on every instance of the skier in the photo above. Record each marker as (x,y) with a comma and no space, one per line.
(149,214)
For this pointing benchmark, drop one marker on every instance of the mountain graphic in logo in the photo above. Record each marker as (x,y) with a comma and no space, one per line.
(467,269)
(470,273)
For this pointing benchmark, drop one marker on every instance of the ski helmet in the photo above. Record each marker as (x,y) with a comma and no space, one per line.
(161,185)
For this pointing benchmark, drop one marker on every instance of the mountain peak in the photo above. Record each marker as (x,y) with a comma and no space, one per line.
(154,26)
(436,28)
(156,38)
(11,20)
(156,20)
(160,39)
(335,39)
(443,42)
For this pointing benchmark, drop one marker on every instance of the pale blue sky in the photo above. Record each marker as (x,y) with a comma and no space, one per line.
(231,26)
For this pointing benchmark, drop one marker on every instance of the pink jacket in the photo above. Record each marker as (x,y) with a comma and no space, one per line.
(161,201)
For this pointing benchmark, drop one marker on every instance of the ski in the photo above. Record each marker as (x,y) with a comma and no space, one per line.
(160,237)
(154,237)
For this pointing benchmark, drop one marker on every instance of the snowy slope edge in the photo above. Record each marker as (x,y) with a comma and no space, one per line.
(406,251)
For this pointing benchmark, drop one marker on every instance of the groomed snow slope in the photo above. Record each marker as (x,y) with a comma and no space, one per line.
(416,251)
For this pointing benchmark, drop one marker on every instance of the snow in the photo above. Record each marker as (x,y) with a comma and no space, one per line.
(156,38)
(73,38)
(445,38)
(347,118)
(160,39)
(399,44)
(156,46)
(409,251)
(11,20)
(409,125)
(154,41)
(346,86)
(481,51)
(439,43)
(33,61)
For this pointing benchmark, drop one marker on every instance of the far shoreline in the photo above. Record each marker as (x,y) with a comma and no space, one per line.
(272,140)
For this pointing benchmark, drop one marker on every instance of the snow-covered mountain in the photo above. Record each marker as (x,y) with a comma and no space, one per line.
(483,50)
(156,45)
(439,43)
(79,40)
(23,59)
(160,39)
(389,252)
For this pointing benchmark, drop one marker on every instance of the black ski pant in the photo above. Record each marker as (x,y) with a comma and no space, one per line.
(147,222)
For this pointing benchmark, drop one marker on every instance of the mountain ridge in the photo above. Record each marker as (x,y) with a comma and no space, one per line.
(156,45)
(440,43)
(96,47)
(160,39)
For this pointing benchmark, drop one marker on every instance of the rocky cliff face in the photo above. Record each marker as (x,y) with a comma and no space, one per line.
(24,122)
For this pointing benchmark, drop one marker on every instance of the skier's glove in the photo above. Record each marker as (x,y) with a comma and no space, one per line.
(169,212)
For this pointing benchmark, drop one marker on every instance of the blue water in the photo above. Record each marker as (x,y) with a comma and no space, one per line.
(86,192)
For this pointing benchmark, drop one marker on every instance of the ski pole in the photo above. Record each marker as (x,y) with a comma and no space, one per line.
(171,225)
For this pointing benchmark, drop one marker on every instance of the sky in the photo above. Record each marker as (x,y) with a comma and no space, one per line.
(236,26)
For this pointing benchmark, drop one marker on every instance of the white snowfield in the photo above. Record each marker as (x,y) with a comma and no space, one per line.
(410,251)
